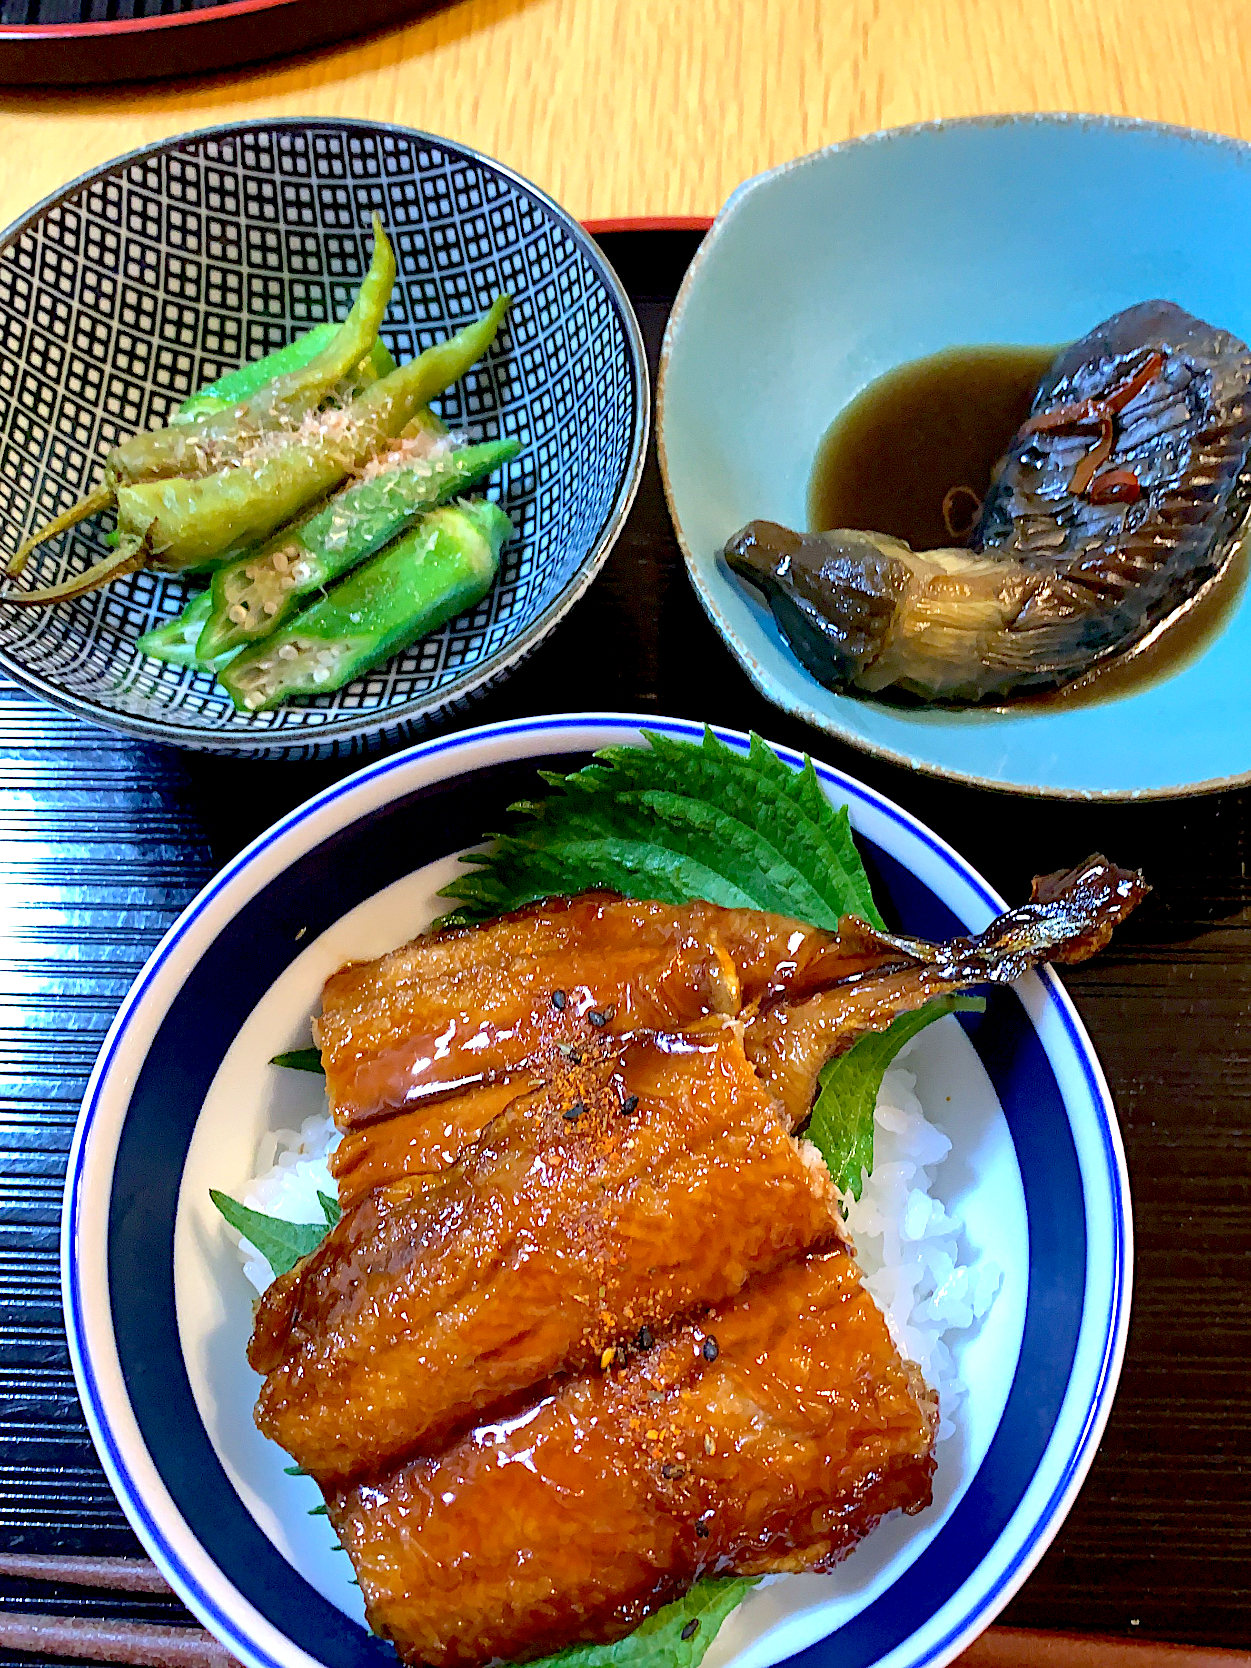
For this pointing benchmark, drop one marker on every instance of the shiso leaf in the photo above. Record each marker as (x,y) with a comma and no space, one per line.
(832,821)
(841,1126)
(282,1244)
(329,1208)
(753,864)
(300,1059)
(658,1641)
(674,821)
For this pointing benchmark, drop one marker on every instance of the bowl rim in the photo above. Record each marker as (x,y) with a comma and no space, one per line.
(390,719)
(780,695)
(173,1543)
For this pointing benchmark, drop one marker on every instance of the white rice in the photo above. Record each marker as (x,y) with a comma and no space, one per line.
(907,1244)
(292,1168)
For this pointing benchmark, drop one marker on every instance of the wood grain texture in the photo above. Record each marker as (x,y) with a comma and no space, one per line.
(1014,1647)
(146,1644)
(647,107)
(116,1575)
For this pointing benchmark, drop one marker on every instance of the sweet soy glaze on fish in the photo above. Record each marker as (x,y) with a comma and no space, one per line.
(1107,537)
(589,1326)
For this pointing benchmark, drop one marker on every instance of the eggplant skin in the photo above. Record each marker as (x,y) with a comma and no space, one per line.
(1185,436)
(1053,581)
(834,595)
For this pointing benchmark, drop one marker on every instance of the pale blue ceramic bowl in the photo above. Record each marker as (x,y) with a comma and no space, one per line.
(822,274)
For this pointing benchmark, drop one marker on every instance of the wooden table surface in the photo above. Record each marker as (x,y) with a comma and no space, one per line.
(647,107)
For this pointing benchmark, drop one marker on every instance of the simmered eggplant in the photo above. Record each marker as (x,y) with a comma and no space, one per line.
(1118,501)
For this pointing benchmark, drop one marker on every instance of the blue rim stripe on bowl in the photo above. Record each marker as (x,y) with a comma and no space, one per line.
(868,805)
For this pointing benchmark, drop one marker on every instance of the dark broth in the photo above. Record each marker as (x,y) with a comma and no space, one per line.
(889,458)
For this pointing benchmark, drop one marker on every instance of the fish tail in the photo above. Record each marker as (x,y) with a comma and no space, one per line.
(1070,917)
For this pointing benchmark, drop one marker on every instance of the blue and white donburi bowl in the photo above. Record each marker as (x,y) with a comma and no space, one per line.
(158,1313)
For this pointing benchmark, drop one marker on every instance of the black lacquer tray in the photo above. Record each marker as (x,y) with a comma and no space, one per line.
(97,42)
(103,840)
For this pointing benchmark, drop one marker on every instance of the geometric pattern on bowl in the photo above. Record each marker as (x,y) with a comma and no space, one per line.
(138,283)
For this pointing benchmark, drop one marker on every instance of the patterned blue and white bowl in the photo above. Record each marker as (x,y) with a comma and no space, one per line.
(136,284)
(828,271)
(158,1312)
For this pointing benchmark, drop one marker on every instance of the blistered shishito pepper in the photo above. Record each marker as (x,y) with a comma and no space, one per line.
(196,523)
(176,641)
(241,384)
(222,436)
(278,403)
(445,565)
(254,595)
(379,364)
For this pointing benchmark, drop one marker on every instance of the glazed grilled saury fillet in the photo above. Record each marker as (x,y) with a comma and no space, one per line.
(1117,502)
(770,1434)
(470,1005)
(641,1181)
(647,1175)
(424,1139)
(449,1029)
(803,996)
